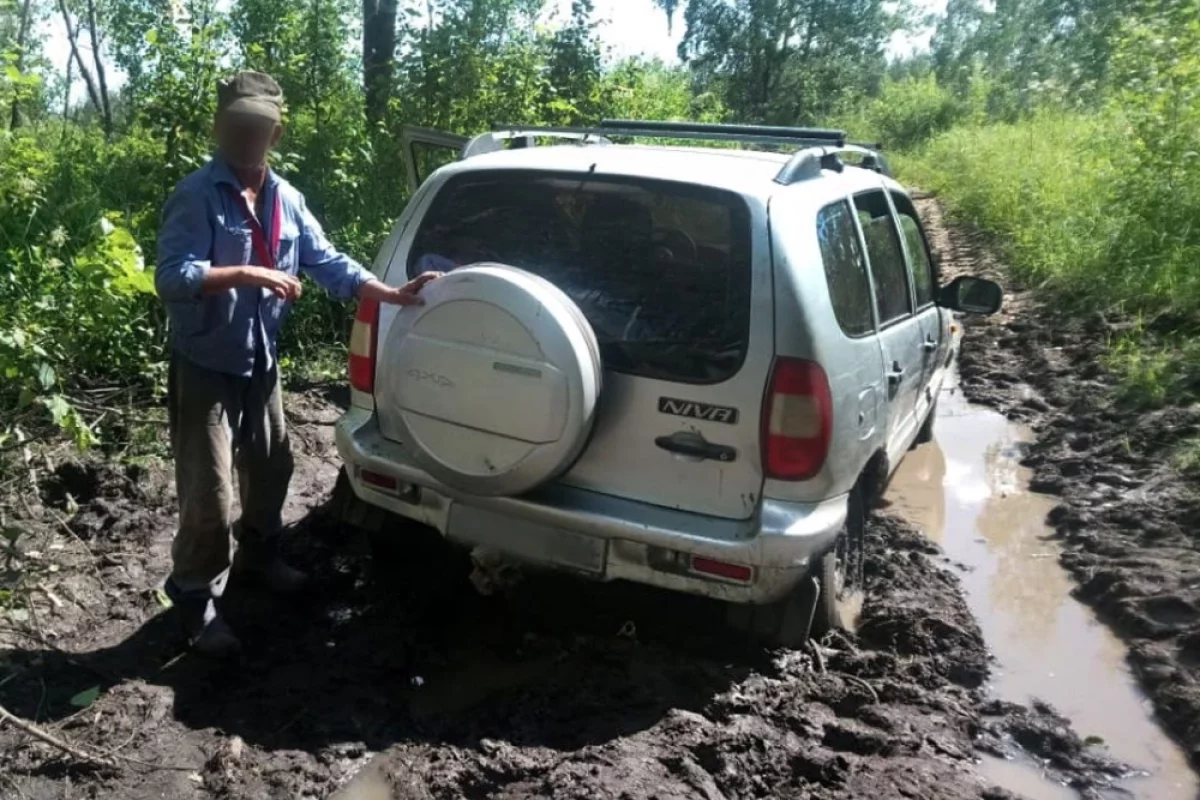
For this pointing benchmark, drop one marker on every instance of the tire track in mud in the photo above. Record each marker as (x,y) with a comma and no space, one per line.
(1127,521)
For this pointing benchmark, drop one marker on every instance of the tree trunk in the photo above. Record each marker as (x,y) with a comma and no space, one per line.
(379,54)
(67,90)
(88,81)
(22,36)
(103,83)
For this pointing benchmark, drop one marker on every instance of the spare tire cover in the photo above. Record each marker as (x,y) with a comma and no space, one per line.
(494,382)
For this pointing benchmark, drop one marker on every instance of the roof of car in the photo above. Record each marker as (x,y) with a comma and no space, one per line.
(749,172)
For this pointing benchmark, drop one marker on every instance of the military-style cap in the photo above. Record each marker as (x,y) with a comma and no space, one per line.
(250,93)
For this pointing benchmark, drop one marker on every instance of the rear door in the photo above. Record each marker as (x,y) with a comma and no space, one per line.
(900,332)
(665,274)
(425,150)
(934,331)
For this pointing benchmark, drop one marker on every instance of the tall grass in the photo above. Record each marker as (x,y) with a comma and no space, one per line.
(1096,221)
(1044,186)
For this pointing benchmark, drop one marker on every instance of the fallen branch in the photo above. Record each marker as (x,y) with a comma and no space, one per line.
(110,759)
(52,740)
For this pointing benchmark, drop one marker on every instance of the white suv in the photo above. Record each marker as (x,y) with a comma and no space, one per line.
(687,367)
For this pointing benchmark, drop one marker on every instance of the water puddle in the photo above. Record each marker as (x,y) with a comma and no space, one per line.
(967,490)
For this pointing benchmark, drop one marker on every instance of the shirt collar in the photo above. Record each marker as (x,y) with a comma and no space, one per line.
(223,173)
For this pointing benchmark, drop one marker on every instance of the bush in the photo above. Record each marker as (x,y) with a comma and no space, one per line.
(907,112)
(78,300)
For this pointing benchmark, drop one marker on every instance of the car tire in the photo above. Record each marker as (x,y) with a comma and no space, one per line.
(786,623)
(925,434)
(348,509)
(810,611)
(839,573)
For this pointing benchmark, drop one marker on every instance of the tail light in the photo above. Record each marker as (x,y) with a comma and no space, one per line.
(797,421)
(363,339)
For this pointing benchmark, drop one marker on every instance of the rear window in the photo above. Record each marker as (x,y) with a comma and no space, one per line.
(661,270)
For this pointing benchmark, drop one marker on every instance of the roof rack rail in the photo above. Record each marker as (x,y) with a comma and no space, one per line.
(700,131)
(525,136)
(820,147)
(809,163)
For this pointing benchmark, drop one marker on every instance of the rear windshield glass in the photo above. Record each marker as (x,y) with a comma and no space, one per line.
(661,270)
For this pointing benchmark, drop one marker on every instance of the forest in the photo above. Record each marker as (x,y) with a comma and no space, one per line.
(1068,130)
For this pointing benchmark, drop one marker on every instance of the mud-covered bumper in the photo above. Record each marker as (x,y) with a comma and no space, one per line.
(600,536)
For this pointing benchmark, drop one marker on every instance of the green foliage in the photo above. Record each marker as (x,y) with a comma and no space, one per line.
(905,113)
(786,61)
(1099,208)
(1071,130)
(81,301)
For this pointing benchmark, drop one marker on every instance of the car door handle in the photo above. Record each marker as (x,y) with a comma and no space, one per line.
(687,443)
(896,374)
(930,344)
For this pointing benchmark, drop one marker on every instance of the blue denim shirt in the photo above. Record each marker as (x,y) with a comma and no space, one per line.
(203,227)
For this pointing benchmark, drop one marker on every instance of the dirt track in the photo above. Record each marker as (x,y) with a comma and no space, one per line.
(561,690)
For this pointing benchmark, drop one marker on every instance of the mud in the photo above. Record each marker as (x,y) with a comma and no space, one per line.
(394,670)
(1126,521)
(967,491)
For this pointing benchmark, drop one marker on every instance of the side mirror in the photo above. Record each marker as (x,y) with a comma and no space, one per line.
(971,295)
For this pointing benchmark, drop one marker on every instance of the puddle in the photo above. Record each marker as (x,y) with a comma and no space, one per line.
(967,490)
(369,784)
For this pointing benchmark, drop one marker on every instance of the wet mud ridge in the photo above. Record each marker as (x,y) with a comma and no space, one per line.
(1127,520)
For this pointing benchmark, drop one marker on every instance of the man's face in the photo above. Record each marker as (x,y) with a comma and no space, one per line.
(246,139)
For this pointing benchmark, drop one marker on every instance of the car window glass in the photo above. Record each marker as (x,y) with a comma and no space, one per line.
(845,269)
(885,256)
(661,270)
(918,250)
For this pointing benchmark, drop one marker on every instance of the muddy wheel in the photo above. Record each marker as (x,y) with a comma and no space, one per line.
(839,574)
(348,509)
(925,435)
(811,611)
(783,624)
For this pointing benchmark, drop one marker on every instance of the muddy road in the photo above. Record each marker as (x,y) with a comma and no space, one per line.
(394,679)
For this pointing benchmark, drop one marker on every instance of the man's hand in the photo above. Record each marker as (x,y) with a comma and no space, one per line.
(282,285)
(406,295)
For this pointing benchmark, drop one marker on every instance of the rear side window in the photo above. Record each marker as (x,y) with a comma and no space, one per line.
(661,270)
(918,249)
(885,256)
(845,269)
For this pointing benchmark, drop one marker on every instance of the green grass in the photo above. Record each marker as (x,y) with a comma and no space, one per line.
(1093,219)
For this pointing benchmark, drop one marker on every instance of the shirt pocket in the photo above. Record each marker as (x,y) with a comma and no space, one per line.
(233,244)
(288,259)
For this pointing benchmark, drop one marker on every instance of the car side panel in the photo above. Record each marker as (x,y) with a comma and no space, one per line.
(807,327)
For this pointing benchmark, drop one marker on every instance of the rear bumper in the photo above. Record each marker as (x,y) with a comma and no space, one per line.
(625,539)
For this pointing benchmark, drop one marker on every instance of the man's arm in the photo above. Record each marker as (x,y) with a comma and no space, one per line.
(334,272)
(342,276)
(185,271)
(184,244)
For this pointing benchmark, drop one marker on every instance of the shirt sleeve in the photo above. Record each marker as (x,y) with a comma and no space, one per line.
(184,245)
(334,272)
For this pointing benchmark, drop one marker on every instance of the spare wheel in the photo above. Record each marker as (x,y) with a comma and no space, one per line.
(493,383)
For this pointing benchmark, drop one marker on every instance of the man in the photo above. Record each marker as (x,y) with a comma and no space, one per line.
(234,238)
